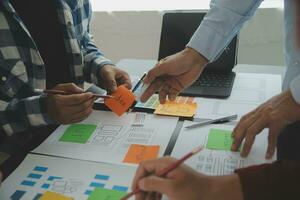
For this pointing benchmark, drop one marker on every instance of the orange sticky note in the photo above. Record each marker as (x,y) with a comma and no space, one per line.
(124,98)
(176,109)
(138,153)
(52,195)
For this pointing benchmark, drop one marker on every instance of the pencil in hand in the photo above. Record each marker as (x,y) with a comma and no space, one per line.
(167,170)
(60,92)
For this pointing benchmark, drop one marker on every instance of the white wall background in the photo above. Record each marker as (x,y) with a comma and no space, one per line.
(135,34)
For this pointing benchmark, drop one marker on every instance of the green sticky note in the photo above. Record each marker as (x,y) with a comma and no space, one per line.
(219,139)
(78,133)
(106,194)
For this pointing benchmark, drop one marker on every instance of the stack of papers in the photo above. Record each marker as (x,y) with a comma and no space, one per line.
(249,91)
(216,158)
(73,178)
(105,137)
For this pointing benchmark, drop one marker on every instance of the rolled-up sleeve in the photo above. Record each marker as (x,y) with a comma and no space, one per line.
(276,181)
(222,22)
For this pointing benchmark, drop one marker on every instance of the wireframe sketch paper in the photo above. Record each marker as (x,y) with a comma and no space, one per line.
(112,137)
(216,158)
(72,178)
(249,91)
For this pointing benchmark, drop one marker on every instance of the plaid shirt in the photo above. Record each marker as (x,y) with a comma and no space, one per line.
(22,69)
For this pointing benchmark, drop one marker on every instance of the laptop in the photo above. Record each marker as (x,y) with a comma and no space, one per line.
(217,79)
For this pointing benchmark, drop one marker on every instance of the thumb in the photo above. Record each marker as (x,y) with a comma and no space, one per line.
(110,82)
(155,184)
(157,71)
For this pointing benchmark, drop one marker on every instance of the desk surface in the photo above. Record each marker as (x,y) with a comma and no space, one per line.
(137,67)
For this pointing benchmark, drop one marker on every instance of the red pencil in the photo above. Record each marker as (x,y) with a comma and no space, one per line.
(167,170)
(67,93)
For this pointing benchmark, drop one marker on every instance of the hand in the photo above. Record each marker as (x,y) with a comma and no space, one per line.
(275,114)
(173,74)
(68,109)
(183,183)
(112,77)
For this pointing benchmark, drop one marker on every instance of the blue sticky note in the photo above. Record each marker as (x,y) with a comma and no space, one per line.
(40,169)
(35,176)
(28,183)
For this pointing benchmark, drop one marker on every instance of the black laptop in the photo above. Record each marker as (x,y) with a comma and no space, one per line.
(217,79)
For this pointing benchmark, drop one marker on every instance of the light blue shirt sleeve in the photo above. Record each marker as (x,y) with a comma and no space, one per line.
(222,22)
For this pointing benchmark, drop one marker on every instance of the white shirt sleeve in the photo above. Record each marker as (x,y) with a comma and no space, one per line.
(222,22)
(295,89)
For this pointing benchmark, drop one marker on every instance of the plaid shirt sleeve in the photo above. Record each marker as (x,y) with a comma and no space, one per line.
(18,115)
(93,58)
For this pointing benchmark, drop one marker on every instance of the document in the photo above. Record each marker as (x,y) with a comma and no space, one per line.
(216,158)
(76,179)
(105,137)
(249,91)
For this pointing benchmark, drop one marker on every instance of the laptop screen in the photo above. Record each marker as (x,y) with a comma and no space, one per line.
(177,30)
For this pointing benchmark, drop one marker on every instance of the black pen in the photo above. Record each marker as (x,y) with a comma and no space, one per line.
(139,83)
(220,120)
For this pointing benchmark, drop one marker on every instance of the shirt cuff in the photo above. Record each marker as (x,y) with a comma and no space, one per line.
(295,89)
(207,42)
(96,66)
(36,111)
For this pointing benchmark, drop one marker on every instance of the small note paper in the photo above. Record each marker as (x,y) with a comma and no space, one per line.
(106,194)
(176,109)
(52,195)
(138,153)
(123,100)
(78,133)
(219,140)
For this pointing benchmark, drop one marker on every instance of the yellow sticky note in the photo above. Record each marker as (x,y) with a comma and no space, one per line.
(138,153)
(54,196)
(176,109)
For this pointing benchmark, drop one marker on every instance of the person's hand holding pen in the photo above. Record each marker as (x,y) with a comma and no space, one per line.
(67,109)
(183,183)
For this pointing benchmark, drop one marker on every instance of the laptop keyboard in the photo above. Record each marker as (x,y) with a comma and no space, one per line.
(215,80)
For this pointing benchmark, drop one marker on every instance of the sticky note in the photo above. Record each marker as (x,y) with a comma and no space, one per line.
(138,153)
(176,109)
(219,139)
(78,133)
(106,194)
(122,101)
(52,195)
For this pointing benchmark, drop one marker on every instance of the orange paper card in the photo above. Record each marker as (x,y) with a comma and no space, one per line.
(138,153)
(176,109)
(124,98)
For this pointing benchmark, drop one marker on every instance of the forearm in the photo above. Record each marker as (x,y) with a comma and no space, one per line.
(222,22)
(225,188)
(94,60)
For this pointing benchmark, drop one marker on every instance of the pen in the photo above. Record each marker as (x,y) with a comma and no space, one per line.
(168,169)
(67,93)
(139,83)
(219,120)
